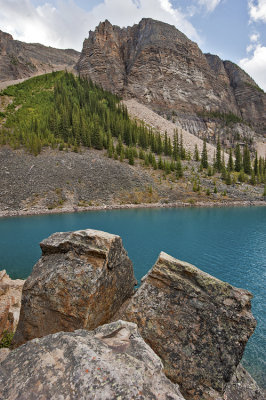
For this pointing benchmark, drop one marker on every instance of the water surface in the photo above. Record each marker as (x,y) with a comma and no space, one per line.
(229,243)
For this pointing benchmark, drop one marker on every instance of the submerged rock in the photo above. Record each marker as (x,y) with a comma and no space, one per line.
(112,362)
(81,281)
(10,302)
(197,324)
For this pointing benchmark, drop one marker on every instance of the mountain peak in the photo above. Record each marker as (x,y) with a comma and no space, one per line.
(157,64)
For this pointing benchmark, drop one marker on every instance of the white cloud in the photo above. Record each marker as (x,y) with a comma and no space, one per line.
(250,47)
(254,37)
(257,10)
(209,4)
(255,65)
(65,25)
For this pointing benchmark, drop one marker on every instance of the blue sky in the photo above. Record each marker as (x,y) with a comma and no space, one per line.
(233,29)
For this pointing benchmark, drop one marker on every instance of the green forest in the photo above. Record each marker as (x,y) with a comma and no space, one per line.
(66,112)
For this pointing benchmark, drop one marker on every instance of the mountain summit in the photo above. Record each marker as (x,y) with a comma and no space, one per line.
(158,65)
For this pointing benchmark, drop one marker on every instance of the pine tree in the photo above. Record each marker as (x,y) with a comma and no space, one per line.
(230,165)
(196,153)
(218,163)
(182,149)
(176,146)
(228,179)
(204,155)
(246,160)
(256,165)
(160,163)
(154,163)
(130,156)
(110,149)
(165,144)
(179,169)
(169,147)
(119,145)
(238,160)
(122,154)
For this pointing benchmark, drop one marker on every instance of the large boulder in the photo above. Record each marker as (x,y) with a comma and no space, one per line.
(81,280)
(10,302)
(243,387)
(112,362)
(197,324)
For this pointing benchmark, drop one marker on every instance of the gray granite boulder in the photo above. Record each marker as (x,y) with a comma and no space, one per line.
(197,324)
(111,362)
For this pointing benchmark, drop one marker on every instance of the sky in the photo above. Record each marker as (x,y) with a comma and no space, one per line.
(233,29)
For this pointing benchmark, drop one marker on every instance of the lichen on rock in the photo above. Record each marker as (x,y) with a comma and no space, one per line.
(81,280)
(197,324)
(111,362)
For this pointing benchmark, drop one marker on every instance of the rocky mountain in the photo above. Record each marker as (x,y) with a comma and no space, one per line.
(20,60)
(158,65)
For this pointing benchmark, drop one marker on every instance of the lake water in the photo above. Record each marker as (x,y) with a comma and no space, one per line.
(229,243)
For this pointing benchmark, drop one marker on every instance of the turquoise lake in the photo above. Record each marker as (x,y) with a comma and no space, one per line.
(229,243)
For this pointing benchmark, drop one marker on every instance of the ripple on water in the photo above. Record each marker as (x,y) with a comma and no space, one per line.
(228,243)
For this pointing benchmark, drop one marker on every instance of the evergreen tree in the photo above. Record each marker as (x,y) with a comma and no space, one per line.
(196,153)
(204,155)
(160,163)
(230,165)
(176,146)
(228,179)
(110,149)
(165,144)
(238,160)
(131,156)
(253,178)
(246,160)
(169,147)
(179,169)
(256,165)
(182,149)
(218,163)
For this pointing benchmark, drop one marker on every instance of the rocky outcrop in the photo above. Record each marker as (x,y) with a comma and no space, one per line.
(21,60)
(81,280)
(197,324)
(112,362)
(10,302)
(250,98)
(159,66)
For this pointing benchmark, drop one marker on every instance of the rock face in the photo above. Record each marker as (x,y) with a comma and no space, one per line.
(157,64)
(250,98)
(243,387)
(81,280)
(10,302)
(20,60)
(197,325)
(112,362)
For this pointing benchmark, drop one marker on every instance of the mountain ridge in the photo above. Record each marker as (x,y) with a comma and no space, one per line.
(19,60)
(159,66)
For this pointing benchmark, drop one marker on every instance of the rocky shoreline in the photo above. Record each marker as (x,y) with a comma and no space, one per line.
(87,332)
(178,204)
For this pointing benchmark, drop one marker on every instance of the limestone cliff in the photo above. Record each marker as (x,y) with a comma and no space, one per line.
(157,64)
(21,60)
